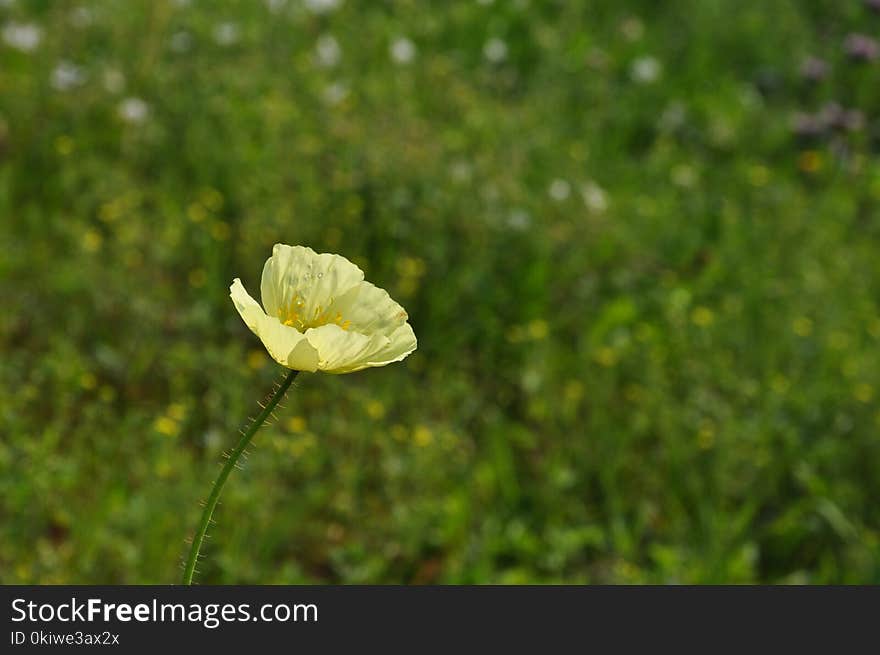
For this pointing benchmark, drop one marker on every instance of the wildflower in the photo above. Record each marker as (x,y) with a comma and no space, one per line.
(423,436)
(320,314)
(296,424)
(461,171)
(759,175)
(559,190)
(864,393)
(335,93)
(646,70)
(22,36)
(706,435)
(860,47)
(835,117)
(322,6)
(327,51)
(403,51)
(66,76)
(684,176)
(809,161)
(82,17)
(226,34)
(375,410)
(166,425)
(495,50)
(519,219)
(814,69)
(114,81)
(181,41)
(673,117)
(64,145)
(807,126)
(802,326)
(702,316)
(594,197)
(632,29)
(133,110)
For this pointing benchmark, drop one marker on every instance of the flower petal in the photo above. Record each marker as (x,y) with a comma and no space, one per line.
(402,342)
(342,351)
(248,308)
(287,346)
(300,285)
(369,309)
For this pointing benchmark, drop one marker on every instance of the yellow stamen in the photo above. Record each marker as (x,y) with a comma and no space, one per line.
(290,317)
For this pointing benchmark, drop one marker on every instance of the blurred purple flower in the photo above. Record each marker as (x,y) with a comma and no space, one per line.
(860,47)
(814,69)
(873,5)
(807,126)
(835,117)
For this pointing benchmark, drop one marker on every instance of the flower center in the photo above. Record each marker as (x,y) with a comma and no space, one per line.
(295,315)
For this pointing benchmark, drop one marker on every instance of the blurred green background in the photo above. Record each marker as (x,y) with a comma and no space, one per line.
(638,243)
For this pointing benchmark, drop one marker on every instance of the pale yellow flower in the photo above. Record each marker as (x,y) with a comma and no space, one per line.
(320,314)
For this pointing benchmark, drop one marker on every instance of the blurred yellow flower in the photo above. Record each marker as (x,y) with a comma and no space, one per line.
(538,329)
(166,425)
(296,424)
(320,314)
(197,278)
(423,436)
(864,392)
(375,410)
(810,161)
(64,145)
(605,356)
(702,316)
(802,326)
(92,240)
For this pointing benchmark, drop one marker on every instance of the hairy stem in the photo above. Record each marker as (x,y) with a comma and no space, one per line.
(231,461)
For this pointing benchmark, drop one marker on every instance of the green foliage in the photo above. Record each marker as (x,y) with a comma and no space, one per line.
(648,317)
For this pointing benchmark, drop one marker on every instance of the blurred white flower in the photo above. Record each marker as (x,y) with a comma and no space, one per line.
(322,6)
(335,93)
(559,190)
(22,36)
(485,3)
(7,3)
(495,50)
(684,176)
(632,29)
(403,50)
(519,220)
(594,197)
(673,117)
(133,110)
(327,51)
(461,171)
(646,70)
(183,3)
(82,17)
(67,75)
(114,80)
(275,6)
(226,34)
(181,41)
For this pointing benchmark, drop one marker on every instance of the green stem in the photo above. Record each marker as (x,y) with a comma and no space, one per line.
(231,461)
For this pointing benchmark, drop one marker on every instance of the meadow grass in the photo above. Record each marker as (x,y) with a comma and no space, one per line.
(647,309)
